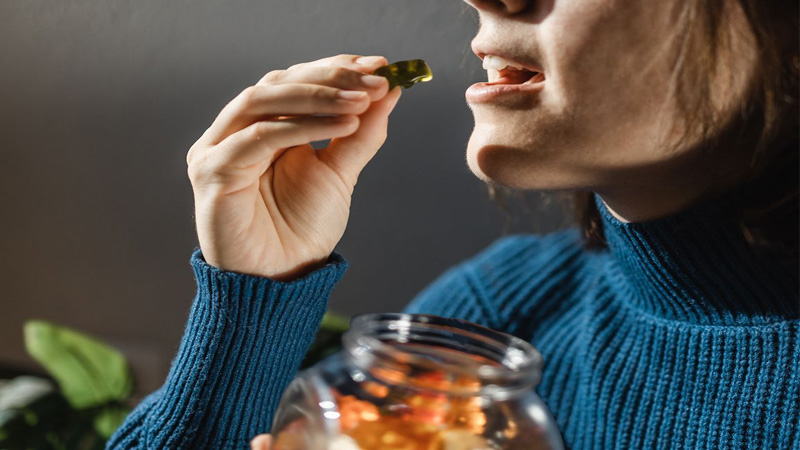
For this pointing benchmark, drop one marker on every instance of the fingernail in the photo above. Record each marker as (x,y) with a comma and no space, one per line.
(369,60)
(372,80)
(352,95)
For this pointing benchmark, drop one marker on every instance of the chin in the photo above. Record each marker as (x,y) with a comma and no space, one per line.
(513,166)
(475,167)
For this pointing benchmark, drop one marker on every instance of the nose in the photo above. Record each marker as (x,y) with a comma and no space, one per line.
(500,6)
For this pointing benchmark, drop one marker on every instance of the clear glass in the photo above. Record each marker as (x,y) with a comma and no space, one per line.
(418,382)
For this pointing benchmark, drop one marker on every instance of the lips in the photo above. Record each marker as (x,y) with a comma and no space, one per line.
(504,67)
(515,79)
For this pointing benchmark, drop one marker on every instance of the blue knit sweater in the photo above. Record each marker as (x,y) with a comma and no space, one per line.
(679,336)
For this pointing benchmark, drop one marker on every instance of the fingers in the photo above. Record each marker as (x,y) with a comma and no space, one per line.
(341,77)
(344,67)
(348,155)
(261,143)
(369,63)
(261,442)
(309,88)
(268,102)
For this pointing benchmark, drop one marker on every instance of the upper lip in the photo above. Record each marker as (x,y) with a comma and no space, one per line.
(482,49)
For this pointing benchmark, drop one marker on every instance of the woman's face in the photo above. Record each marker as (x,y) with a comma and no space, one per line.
(601,117)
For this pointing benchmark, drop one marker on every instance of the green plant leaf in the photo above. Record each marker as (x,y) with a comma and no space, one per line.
(334,322)
(109,419)
(88,372)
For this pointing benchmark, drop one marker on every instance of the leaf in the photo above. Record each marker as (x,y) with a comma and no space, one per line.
(89,372)
(109,419)
(334,322)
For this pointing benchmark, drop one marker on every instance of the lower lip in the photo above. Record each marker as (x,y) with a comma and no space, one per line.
(488,92)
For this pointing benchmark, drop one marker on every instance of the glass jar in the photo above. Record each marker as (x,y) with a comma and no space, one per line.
(418,382)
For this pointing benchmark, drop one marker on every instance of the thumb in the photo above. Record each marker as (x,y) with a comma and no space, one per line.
(348,155)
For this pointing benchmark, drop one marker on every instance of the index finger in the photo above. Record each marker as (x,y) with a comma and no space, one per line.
(366,64)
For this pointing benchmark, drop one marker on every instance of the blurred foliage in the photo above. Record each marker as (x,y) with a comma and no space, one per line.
(89,403)
(94,385)
(88,372)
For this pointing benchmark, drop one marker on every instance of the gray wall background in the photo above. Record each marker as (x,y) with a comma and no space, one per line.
(101,99)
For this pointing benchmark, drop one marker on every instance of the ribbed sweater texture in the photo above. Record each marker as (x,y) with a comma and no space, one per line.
(679,335)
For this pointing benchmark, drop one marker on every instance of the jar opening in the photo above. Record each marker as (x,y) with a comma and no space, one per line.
(446,355)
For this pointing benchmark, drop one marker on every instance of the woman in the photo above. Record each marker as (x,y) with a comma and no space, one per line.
(669,320)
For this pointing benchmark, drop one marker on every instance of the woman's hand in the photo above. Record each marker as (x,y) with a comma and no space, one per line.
(261,442)
(266,202)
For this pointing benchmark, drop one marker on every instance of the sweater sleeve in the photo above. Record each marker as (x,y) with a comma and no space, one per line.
(243,344)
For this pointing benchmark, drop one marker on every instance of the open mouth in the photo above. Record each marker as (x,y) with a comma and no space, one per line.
(510,82)
(504,71)
(515,76)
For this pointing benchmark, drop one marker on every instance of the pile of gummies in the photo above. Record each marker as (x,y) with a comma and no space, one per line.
(380,417)
(413,419)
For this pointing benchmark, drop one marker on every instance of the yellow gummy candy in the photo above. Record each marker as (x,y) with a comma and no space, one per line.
(406,73)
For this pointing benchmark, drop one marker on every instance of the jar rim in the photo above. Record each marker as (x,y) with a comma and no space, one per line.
(514,363)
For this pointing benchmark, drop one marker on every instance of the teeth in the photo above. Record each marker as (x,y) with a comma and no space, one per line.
(492,62)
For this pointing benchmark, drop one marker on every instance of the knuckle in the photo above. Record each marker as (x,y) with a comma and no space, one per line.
(248,97)
(340,73)
(274,75)
(194,171)
(258,130)
(198,167)
(191,170)
(296,66)
(194,159)
(347,57)
(321,94)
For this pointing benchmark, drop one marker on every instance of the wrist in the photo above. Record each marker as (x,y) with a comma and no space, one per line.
(297,272)
(278,272)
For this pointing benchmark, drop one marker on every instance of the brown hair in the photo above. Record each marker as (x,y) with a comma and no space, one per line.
(767,123)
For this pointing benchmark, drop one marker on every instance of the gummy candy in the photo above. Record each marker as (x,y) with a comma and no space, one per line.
(406,73)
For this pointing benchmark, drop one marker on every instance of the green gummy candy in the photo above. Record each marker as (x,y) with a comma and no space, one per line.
(406,73)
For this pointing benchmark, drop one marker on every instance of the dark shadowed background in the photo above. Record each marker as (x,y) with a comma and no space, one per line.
(101,99)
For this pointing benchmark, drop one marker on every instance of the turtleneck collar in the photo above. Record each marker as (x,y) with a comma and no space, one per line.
(697,266)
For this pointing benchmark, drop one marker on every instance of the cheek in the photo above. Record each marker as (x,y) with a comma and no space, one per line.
(611,59)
